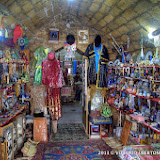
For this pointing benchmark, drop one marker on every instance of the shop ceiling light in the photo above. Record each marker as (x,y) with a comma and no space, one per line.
(150,35)
(153,33)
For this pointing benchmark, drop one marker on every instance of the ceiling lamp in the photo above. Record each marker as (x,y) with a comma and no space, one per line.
(68,24)
(153,33)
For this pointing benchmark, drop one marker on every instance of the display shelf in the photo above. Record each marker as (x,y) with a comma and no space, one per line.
(133,67)
(143,123)
(22,63)
(4,121)
(25,99)
(152,99)
(145,80)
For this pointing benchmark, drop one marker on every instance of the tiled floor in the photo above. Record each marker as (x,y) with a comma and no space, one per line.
(71,113)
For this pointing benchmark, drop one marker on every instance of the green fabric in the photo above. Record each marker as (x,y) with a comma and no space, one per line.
(106,111)
(26,40)
(38,76)
(40,55)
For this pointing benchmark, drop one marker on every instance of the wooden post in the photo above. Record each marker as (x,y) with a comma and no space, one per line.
(86,96)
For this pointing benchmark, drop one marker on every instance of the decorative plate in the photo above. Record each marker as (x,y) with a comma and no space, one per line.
(110,63)
(116,62)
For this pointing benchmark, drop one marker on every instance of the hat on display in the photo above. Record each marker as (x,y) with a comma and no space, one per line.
(18,32)
(70,39)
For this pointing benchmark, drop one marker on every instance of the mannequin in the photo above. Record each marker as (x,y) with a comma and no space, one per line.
(52,78)
(97,56)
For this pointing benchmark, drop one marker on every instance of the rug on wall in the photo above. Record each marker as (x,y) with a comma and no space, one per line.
(84,150)
(69,132)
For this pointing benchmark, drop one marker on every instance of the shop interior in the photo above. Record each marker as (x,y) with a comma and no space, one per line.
(79,80)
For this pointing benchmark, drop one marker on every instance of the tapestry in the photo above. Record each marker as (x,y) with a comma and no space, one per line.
(84,150)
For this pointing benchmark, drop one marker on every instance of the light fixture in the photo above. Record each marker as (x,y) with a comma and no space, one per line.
(150,34)
(68,24)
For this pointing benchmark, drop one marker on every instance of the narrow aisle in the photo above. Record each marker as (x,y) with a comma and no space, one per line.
(71,113)
(70,127)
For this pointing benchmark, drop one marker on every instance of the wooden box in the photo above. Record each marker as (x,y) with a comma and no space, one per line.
(3,150)
(7,133)
(40,129)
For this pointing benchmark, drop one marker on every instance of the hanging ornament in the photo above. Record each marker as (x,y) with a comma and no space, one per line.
(26,40)
(18,32)
(21,41)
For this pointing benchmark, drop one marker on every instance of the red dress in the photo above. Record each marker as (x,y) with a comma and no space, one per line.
(53,79)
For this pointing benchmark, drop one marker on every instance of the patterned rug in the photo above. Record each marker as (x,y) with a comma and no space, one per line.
(84,150)
(69,132)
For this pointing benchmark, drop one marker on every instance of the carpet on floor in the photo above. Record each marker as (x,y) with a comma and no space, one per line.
(84,150)
(69,132)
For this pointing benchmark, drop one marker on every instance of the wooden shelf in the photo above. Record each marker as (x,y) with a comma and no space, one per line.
(15,63)
(10,118)
(152,99)
(133,67)
(144,123)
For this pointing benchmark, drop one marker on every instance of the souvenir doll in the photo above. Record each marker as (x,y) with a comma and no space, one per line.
(136,73)
(134,89)
(130,86)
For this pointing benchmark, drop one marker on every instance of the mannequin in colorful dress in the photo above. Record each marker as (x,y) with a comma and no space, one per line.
(53,79)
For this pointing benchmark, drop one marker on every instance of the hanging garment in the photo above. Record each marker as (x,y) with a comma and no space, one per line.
(52,77)
(54,102)
(40,54)
(52,74)
(38,95)
(100,78)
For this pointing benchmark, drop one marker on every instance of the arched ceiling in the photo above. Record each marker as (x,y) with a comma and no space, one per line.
(121,18)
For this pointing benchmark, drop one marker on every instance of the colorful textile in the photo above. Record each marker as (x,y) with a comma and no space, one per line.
(97,55)
(51,73)
(97,78)
(84,150)
(54,102)
(97,119)
(74,67)
(18,32)
(39,55)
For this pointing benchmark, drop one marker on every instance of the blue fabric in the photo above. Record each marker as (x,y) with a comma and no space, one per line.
(74,67)
(97,49)
(101,120)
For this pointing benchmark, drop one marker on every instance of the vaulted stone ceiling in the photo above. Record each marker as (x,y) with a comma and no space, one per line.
(121,18)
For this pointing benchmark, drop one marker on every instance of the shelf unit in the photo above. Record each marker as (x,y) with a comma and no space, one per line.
(152,99)
(143,123)
(150,127)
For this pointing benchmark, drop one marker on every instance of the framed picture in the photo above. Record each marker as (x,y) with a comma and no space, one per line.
(66,91)
(83,36)
(53,35)
(67,64)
